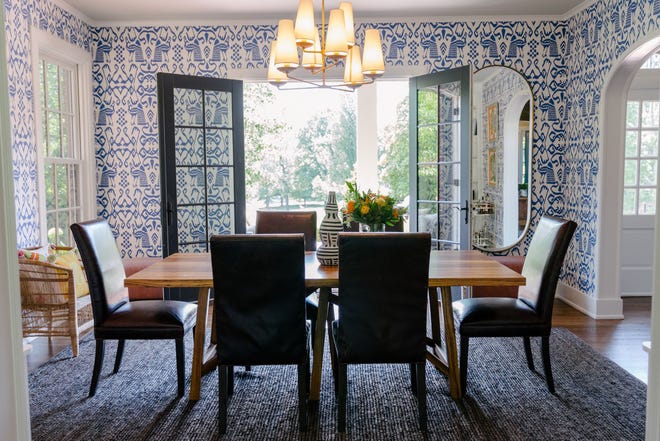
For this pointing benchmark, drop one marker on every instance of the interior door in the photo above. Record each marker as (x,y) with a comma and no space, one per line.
(201,162)
(440,157)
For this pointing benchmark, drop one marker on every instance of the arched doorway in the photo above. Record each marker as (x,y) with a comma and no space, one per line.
(609,304)
(613,112)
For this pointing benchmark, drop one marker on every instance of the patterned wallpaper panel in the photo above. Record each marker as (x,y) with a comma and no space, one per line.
(564,62)
(127,60)
(597,37)
(20,17)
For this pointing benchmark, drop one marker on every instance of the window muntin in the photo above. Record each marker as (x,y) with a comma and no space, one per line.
(641,157)
(60,146)
(653,62)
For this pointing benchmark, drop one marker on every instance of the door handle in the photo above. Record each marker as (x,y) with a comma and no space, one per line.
(466,211)
(170,212)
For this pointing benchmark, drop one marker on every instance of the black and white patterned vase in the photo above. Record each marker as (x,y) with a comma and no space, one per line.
(328,252)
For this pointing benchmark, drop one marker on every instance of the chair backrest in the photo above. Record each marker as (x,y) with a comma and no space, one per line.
(285,222)
(259,283)
(543,263)
(103,267)
(383,280)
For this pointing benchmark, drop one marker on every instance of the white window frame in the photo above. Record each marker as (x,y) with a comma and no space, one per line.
(49,46)
(644,89)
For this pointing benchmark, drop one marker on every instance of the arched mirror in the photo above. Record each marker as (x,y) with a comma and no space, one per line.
(501,158)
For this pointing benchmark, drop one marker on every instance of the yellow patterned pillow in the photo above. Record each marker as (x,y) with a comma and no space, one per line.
(69,259)
(40,254)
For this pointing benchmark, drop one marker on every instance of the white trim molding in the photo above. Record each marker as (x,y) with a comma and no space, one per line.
(14,407)
(610,182)
(591,306)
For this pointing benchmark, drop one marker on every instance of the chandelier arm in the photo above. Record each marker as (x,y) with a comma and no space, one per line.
(323,68)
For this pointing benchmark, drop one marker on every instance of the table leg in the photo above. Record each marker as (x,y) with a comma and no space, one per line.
(450,343)
(444,357)
(319,341)
(204,359)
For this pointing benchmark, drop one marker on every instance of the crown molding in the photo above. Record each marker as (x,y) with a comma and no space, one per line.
(67,7)
(242,20)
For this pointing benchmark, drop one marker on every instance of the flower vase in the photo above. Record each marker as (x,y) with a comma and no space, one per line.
(372,228)
(328,252)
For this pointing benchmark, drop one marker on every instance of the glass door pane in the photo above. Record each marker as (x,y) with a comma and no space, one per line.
(202,163)
(439,128)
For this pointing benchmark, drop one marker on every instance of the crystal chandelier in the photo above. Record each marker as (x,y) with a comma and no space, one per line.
(323,51)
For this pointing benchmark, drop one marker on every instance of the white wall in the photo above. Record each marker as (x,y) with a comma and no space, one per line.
(14,410)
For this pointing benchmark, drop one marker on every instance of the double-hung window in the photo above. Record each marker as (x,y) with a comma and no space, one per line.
(64,148)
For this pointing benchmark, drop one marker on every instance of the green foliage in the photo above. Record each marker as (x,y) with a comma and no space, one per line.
(284,164)
(393,154)
(370,208)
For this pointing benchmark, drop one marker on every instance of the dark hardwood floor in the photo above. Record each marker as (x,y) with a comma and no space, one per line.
(619,340)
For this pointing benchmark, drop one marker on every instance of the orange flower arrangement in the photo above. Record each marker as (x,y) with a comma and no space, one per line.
(370,208)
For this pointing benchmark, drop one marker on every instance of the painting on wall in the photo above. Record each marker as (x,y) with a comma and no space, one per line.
(492,112)
(492,167)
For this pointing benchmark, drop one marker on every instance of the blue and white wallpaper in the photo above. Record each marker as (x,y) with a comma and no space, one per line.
(565,63)
(20,17)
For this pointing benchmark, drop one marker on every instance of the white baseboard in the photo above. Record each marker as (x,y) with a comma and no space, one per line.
(636,294)
(591,306)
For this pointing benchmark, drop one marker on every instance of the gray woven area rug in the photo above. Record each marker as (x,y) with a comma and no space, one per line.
(595,399)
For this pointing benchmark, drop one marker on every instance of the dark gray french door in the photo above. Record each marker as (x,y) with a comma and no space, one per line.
(201,162)
(440,157)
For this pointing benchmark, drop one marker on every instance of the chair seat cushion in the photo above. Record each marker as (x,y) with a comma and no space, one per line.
(148,319)
(497,317)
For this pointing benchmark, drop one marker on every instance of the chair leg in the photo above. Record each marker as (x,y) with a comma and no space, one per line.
(528,353)
(98,364)
(308,372)
(119,356)
(310,312)
(331,340)
(545,353)
(342,374)
(465,343)
(74,343)
(420,374)
(413,377)
(302,396)
(180,367)
(222,398)
(230,380)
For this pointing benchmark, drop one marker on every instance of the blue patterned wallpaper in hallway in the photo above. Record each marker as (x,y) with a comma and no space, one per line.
(565,63)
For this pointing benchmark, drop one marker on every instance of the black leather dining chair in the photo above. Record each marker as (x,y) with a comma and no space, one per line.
(287,222)
(383,279)
(117,318)
(530,313)
(259,283)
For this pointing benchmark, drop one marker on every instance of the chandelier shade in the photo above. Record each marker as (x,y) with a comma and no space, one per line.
(319,49)
(374,63)
(286,53)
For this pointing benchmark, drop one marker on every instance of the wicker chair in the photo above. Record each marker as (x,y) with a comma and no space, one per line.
(50,307)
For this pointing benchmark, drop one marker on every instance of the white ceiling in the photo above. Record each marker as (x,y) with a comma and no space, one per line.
(106,11)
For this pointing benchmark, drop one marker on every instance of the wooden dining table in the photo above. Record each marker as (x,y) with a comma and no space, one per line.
(447,269)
